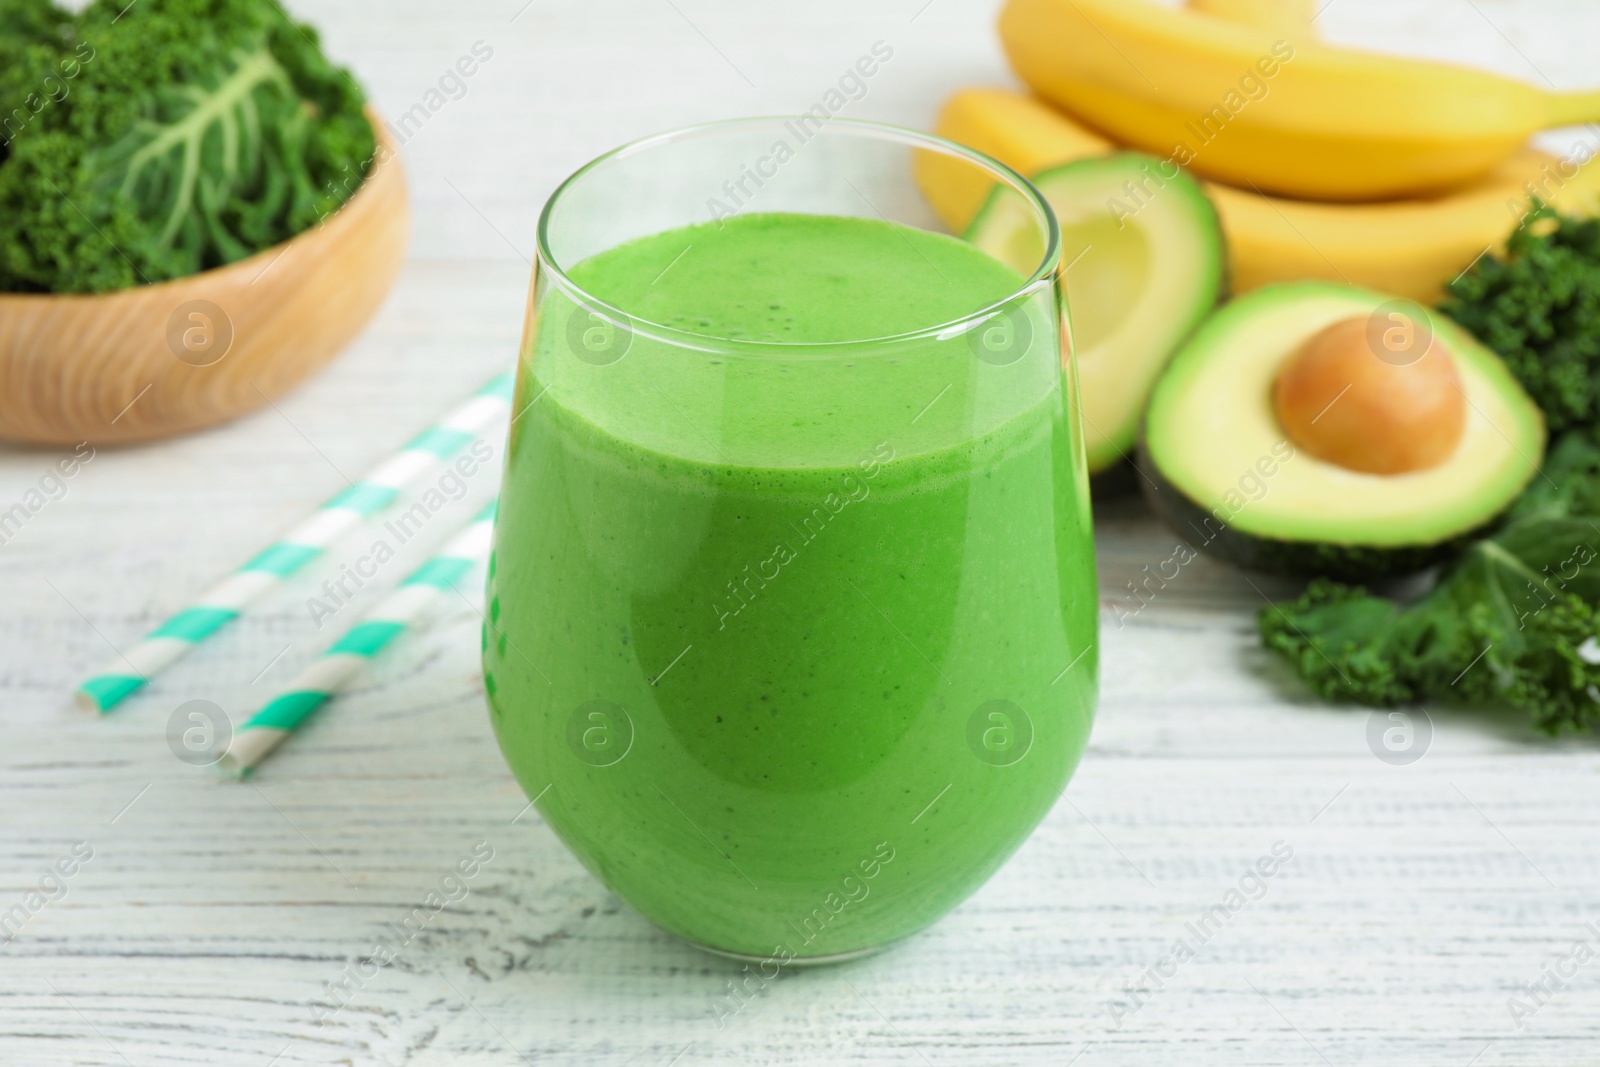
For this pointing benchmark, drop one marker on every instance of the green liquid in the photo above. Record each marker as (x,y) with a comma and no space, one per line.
(796,649)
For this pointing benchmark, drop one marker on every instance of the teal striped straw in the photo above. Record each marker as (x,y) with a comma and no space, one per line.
(223,603)
(336,667)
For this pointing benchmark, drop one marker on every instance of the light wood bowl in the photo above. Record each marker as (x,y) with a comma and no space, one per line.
(157,360)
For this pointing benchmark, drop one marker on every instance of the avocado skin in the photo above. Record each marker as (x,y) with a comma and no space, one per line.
(1360,564)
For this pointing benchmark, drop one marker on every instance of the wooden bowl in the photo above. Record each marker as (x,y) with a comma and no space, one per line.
(156,360)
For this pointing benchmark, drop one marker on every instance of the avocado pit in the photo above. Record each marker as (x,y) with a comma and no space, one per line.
(1342,402)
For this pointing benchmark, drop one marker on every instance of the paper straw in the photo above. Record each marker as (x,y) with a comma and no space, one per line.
(335,668)
(174,638)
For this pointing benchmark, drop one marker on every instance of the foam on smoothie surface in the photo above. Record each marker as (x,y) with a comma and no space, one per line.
(802,280)
(819,290)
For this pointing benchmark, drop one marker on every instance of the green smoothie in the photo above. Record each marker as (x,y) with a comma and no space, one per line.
(792,631)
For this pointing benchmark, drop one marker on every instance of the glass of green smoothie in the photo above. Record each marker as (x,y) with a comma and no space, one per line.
(791,628)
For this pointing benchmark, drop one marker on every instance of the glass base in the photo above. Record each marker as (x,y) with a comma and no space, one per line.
(798,961)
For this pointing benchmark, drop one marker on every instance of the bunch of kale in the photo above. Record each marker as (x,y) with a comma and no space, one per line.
(149,141)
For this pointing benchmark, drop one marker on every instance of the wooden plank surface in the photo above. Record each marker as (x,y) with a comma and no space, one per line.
(211,919)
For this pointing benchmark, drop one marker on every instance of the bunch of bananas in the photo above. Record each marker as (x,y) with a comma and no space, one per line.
(1323,162)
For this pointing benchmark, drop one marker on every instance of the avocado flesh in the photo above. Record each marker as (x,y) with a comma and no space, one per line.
(1141,270)
(1226,477)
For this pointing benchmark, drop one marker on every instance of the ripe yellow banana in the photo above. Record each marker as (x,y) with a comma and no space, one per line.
(1289,18)
(1293,116)
(1407,247)
(1019,131)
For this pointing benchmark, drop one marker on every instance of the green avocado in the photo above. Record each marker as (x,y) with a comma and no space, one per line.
(1220,470)
(1143,262)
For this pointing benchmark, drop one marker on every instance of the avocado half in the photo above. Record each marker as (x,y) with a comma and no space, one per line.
(1220,471)
(1143,262)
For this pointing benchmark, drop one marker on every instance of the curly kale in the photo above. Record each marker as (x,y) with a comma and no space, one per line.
(25,22)
(1513,622)
(1568,483)
(1538,306)
(150,141)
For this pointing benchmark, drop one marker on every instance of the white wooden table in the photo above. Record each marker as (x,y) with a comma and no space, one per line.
(212,917)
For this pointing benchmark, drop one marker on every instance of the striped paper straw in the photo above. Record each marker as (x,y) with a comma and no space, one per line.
(334,669)
(174,638)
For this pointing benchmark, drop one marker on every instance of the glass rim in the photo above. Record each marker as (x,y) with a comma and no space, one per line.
(546,261)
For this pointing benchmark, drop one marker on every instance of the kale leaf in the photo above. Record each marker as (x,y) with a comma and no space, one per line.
(25,22)
(152,141)
(1512,622)
(1538,307)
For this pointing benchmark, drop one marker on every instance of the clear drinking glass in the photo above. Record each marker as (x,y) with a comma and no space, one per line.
(792,627)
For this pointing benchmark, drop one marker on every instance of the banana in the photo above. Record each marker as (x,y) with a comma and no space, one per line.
(1288,18)
(1287,115)
(1017,130)
(1410,248)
